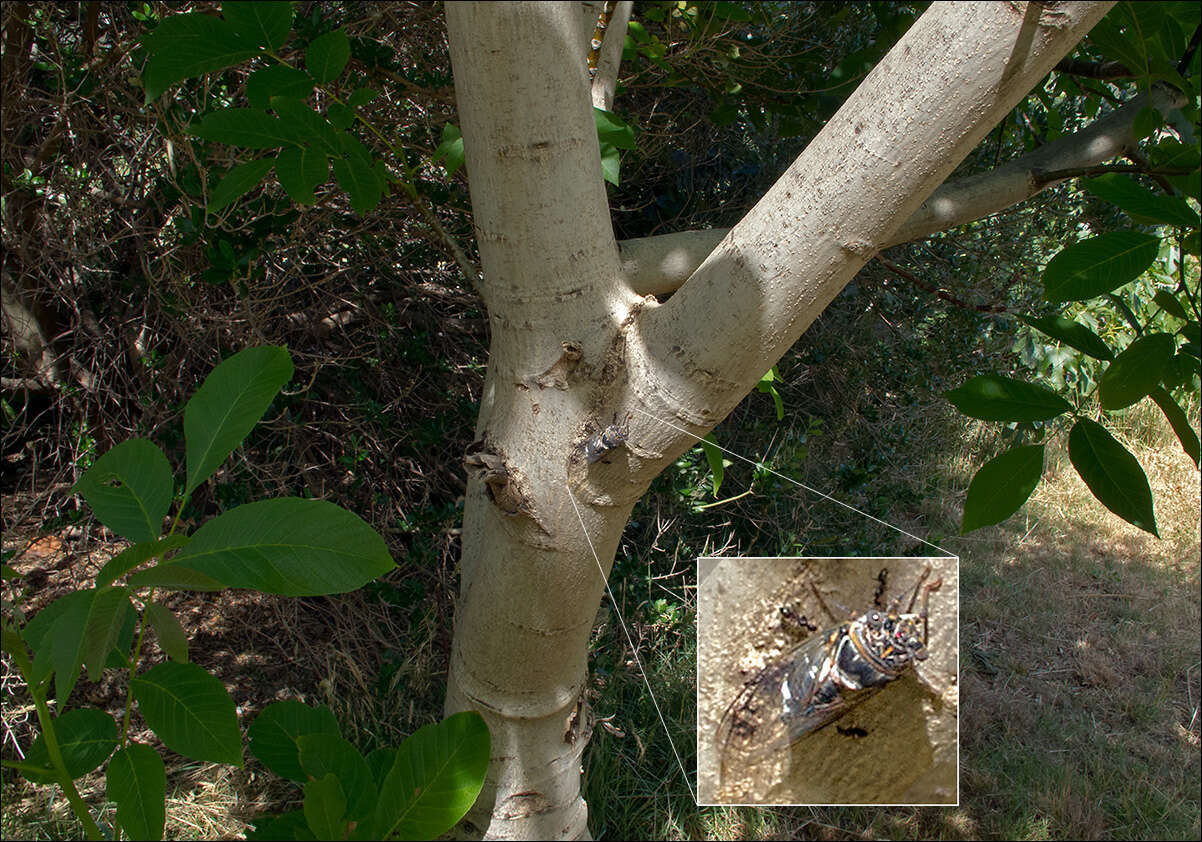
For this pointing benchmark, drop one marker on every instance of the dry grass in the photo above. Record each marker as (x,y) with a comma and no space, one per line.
(1081,688)
(1079,673)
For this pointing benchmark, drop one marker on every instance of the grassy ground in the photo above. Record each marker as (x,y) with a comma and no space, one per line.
(1079,642)
(1079,634)
(1079,677)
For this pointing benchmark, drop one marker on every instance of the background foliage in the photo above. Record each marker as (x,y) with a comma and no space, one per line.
(135,278)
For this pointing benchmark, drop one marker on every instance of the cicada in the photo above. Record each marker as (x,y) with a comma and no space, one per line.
(824,677)
(611,437)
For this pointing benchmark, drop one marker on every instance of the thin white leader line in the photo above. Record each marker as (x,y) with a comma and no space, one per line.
(798,484)
(630,642)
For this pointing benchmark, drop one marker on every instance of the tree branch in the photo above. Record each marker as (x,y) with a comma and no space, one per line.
(659,265)
(531,150)
(953,76)
(1103,70)
(609,56)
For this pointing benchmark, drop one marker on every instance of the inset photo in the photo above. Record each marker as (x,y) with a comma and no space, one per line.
(828,681)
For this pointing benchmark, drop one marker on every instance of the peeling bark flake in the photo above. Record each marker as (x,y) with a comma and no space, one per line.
(522,804)
(506,486)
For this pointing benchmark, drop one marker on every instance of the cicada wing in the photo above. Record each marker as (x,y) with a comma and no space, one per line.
(753,737)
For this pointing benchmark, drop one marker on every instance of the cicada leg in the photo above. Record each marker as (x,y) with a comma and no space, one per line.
(838,618)
(926,571)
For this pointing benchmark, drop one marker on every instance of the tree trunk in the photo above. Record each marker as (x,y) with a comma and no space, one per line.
(593,389)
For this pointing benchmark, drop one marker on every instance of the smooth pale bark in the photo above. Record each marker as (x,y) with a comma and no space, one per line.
(575,349)
(606,80)
(659,265)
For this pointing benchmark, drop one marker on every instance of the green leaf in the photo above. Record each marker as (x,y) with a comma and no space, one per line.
(362,96)
(1098,265)
(611,164)
(239,181)
(129,488)
(994,398)
(1072,334)
(58,635)
(713,455)
(1190,184)
(190,711)
(1125,47)
(277,80)
(1192,335)
(172,638)
(305,124)
(380,762)
(328,55)
(300,170)
(1147,121)
(1179,422)
(106,618)
(291,825)
(1141,204)
(1112,474)
(730,11)
(435,779)
(55,635)
(613,134)
(176,577)
(1169,303)
(276,732)
(1136,371)
(228,405)
(86,737)
(450,149)
(613,129)
(325,808)
(361,181)
(329,754)
(184,46)
(340,116)
(352,147)
(288,546)
(1170,153)
(767,385)
(131,557)
(1001,486)
(137,780)
(246,127)
(118,656)
(263,22)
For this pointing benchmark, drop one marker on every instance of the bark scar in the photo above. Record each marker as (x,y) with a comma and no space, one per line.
(506,485)
(561,371)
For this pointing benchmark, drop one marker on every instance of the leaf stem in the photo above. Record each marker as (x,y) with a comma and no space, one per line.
(46,721)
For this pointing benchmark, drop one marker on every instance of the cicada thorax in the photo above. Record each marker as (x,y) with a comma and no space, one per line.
(610,438)
(846,665)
